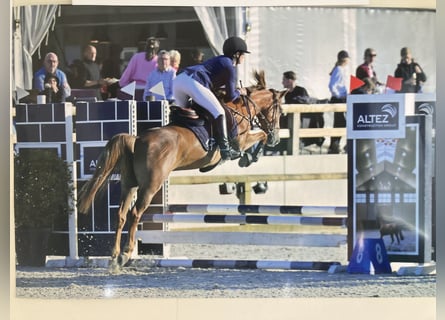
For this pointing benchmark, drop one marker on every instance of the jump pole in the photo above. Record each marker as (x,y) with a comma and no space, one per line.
(228,208)
(244,264)
(245,219)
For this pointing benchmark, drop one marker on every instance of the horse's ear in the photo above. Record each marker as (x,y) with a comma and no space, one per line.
(260,78)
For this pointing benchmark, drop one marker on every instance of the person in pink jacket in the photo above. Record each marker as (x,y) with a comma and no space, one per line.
(141,65)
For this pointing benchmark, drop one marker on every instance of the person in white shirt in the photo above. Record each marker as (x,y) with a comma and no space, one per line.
(339,88)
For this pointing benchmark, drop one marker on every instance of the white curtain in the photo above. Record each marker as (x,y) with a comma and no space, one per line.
(32,24)
(219,23)
(310,37)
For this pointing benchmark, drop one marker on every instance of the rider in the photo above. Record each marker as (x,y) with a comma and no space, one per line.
(198,81)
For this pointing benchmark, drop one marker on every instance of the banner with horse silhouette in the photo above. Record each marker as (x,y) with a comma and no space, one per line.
(391,188)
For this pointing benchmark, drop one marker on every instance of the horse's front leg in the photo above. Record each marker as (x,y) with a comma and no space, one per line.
(253,137)
(247,159)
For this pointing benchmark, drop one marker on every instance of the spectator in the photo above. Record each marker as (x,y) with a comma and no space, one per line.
(164,73)
(50,66)
(175,59)
(53,91)
(141,65)
(366,69)
(194,57)
(297,94)
(410,71)
(89,74)
(338,86)
(111,69)
(197,56)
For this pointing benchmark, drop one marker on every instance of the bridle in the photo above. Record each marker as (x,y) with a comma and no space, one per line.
(258,118)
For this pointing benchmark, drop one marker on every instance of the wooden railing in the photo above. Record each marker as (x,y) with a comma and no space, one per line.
(236,178)
(298,133)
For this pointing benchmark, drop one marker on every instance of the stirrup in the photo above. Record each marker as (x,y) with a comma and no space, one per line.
(230,154)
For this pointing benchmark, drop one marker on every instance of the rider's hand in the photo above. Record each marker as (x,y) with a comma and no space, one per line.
(242,91)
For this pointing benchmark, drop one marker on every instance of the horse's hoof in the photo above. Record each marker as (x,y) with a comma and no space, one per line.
(123,260)
(114,267)
(245,160)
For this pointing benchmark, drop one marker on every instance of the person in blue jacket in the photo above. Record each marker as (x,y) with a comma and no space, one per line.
(200,81)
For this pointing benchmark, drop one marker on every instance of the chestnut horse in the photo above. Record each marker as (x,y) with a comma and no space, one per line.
(145,161)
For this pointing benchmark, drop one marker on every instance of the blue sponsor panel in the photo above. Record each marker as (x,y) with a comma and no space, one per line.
(53,132)
(99,121)
(102,215)
(110,129)
(150,114)
(27,132)
(89,160)
(89,131)
(375,116)
(40,123)
(96,123)
(44,126)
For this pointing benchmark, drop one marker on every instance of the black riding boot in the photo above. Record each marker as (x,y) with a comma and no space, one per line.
(227,153)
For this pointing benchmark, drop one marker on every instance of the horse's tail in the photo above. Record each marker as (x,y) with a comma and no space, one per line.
(120,147)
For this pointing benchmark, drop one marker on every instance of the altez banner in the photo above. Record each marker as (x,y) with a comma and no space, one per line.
(372,116)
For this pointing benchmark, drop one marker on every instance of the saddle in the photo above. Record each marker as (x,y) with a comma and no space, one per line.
(187,112)
(200,122)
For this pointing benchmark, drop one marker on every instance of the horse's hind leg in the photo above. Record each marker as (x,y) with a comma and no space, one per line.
(125,202)
(144,199)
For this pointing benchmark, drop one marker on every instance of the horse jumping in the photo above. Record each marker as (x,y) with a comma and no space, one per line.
(145,161)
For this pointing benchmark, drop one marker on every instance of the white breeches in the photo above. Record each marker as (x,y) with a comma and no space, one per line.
(185,87)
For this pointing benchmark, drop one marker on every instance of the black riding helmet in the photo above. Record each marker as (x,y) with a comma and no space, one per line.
(233,45)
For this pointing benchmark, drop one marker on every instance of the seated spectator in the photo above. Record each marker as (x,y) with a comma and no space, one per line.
(194,57)
(164,73)
(175,59)
(89,73)
(53,91)
(197,56)
(50,66)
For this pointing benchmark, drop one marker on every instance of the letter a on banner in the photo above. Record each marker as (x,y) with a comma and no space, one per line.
(368,251)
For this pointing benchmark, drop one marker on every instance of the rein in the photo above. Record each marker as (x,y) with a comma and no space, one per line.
(253,119)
